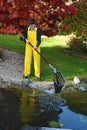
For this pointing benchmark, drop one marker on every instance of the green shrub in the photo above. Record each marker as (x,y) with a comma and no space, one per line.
(78,23)
(77,44)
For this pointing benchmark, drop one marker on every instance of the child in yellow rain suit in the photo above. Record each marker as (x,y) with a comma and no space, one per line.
(33,34)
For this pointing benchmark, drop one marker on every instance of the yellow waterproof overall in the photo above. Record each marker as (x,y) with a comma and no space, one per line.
(29,52)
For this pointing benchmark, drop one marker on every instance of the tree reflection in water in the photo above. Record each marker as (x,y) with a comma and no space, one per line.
(31,109)
(9,109)
(22,107)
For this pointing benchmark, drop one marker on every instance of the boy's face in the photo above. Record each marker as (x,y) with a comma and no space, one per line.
(32,26)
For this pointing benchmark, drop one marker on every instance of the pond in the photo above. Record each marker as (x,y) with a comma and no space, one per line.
(21,107)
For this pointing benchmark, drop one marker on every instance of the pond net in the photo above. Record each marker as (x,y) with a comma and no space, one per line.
(58,80)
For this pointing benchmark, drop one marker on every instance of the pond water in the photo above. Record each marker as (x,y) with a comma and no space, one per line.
(22,107)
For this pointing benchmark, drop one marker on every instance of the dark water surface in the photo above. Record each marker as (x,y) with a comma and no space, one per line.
(23,107)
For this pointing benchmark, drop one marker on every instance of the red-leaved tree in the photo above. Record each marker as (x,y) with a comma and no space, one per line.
(15,15)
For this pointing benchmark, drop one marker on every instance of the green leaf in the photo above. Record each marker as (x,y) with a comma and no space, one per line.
(54,124)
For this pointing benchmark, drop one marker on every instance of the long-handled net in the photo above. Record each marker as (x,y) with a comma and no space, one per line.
(57,76)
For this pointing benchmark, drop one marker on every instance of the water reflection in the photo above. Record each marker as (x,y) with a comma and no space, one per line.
(72,120)
(38,108)
(9,109)
(76,101)
(23,107)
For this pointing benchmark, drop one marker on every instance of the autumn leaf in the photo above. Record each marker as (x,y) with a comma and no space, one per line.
(15,15)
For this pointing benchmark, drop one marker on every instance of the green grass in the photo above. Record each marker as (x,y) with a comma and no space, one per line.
(52,50)
(12,43)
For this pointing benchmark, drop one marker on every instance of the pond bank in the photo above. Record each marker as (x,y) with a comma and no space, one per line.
(11,73)
(40,85)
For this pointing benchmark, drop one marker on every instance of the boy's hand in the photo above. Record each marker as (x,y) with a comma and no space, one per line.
(35,48)
(27,40)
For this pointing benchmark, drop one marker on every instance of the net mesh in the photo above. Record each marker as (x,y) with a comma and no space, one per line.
(58,81)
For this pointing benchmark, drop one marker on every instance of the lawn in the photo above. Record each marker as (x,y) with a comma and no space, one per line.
(53,50)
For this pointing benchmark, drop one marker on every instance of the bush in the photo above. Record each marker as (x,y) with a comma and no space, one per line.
(78,23)
(77,44)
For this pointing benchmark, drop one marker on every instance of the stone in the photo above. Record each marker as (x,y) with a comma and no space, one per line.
(76,80)
(26,82)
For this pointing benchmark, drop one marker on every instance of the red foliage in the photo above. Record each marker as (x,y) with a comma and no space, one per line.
(15,15)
